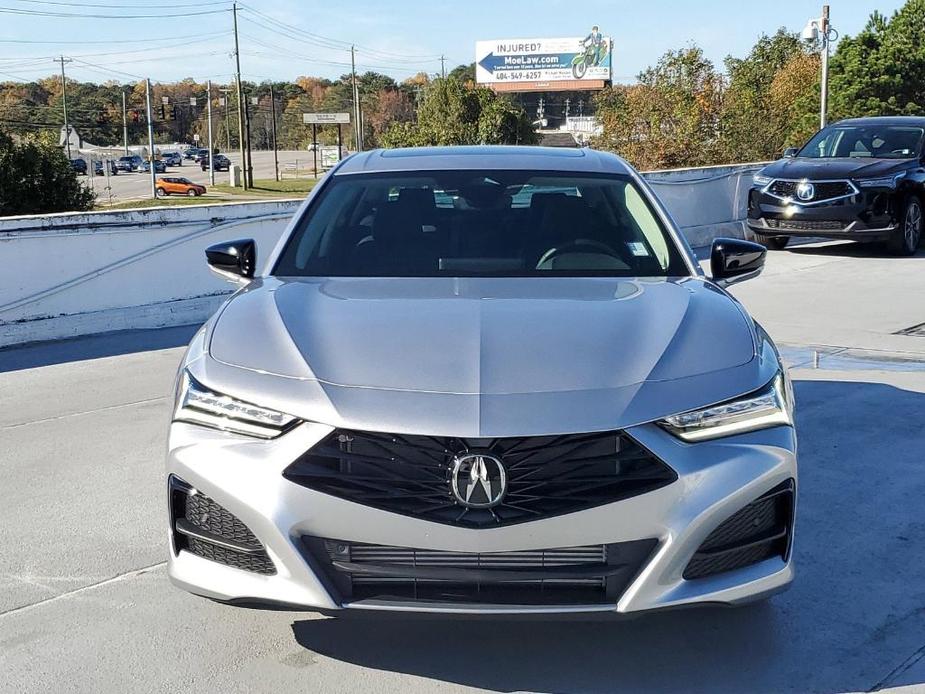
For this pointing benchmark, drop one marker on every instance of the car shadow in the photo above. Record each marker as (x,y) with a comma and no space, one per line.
(854,615)
(111,344)
(847,249)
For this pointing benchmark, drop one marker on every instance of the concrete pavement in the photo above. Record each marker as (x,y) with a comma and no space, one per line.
(85,605)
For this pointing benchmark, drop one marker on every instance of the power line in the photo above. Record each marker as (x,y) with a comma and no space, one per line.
(82,15)
(104,41)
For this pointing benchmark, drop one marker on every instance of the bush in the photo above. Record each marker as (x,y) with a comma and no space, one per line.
(36,178)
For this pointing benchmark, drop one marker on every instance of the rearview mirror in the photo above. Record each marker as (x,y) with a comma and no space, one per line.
(735,260)
(790,152)
(233,260)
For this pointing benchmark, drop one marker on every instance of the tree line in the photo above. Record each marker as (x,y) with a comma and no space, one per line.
(684,112)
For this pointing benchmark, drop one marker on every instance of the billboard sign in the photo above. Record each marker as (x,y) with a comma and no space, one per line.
(544,60)
(325,118)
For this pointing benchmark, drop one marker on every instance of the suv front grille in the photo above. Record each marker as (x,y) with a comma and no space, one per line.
(596,574)
(824,190)
(204,528)
(545,475)
(759,531)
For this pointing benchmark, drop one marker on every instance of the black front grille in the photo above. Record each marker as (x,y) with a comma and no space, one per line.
(806,225)
(203,527)
(759,531)
(595,574)
(824,190)
(546,475)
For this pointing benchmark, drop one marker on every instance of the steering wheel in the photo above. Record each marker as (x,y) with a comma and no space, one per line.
(580,246)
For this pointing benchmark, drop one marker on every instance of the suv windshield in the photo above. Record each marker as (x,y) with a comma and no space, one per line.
(480,223)
(867,141)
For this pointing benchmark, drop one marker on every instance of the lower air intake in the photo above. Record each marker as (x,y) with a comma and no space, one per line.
(594,574)
(204,528)
(762,530)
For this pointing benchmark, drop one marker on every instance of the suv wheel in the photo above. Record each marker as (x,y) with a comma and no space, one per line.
(161,193)
(191,193)
(905,240)
(774,243)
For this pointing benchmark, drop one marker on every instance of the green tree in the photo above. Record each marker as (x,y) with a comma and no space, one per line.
(881,70)
(757,125)
(671,118)
(452,113)
(36,178)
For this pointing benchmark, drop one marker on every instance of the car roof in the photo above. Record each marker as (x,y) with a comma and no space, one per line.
(885,120)
(493,157)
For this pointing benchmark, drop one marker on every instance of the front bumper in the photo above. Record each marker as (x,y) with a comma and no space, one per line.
(716,479)
(867,216)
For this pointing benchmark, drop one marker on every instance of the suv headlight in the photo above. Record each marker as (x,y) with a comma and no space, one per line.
(770,406)
(196,404)
(882,182)
(761,180)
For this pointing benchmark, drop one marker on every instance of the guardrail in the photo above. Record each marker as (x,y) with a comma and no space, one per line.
(74,274)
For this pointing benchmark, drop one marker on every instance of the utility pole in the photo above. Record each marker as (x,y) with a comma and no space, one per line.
(443,67)
(223,102)
(150,138)
(237,60)
(357,126)
(67,127)
(567,103)
(273,122)
(124,125)
(247,135)
(824,99)
(209,113)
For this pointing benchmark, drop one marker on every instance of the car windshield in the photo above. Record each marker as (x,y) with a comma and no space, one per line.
(865,141)
(481,223)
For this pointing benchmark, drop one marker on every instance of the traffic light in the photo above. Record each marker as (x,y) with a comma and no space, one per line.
(163,115)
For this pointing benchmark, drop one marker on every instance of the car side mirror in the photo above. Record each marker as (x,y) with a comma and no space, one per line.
(790,152)
(735,260)
(233,260)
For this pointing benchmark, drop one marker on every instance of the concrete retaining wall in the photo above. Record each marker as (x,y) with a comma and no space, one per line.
(81,273)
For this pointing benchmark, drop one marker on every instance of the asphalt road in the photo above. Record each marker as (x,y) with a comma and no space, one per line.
(130,186)
(85,605)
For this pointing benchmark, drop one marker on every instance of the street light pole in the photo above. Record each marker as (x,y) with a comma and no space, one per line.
(150,138)
(67,127)
(124,125)
(824,97)
(209,113)
(237,60)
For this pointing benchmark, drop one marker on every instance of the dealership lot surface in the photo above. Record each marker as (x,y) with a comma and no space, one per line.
(85,604)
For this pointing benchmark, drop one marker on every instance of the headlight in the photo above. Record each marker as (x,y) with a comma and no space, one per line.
(882,182)
(196,404)
(770,406)
(760,180)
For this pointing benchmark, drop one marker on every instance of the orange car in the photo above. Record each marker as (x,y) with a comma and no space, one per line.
(178,186)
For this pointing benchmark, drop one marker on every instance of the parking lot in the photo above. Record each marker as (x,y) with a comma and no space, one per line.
(86,601)
(137,185)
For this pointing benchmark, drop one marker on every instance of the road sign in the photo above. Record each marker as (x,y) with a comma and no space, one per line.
(165,100)
(325,118)
(195,137)
(529,61)
(192,101)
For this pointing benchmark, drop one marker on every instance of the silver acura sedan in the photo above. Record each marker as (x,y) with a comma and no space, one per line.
(482,380)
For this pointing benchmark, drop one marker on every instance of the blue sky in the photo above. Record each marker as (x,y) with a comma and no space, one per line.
(397,37)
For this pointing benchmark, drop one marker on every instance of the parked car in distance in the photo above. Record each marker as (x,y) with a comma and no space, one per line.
(159,166)
(860,179)
(172,158)
(132,162)
(219,162)
(79,165)
(482,380)
(98,167)
(175,185)
(190,152)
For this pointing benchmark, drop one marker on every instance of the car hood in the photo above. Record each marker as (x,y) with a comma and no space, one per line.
(479,357)
(824,169)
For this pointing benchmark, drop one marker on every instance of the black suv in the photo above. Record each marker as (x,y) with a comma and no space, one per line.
(860,179)
(219,161)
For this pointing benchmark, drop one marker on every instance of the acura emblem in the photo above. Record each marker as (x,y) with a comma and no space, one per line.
(478,480)
(806,191)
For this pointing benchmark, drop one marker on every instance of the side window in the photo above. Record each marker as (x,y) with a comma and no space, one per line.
(648,225)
